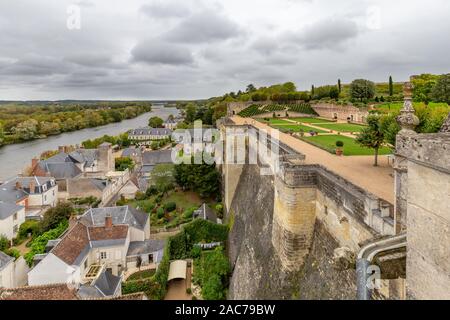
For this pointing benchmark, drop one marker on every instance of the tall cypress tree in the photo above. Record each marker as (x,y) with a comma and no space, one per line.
(339,85)
(312,91)
(391,86)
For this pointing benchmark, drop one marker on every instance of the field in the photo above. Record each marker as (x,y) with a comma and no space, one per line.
(342,127)
(351,148)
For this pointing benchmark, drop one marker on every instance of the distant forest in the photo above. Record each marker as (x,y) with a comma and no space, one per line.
(24,121)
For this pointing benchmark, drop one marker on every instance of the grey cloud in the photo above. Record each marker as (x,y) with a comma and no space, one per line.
(326,34)
(154,52)
(165,9)
(205,26)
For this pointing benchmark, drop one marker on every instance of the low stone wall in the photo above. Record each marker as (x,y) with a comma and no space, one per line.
(341,112)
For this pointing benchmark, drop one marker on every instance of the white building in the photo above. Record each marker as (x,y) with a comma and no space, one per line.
(6,271)
(11,217)
(13,273)
(35,194)
(103,239)
(145,136)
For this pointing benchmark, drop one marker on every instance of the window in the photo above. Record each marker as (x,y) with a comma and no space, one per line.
(326,210)
(86,264)
(15,216)
(15,228)
(103,255)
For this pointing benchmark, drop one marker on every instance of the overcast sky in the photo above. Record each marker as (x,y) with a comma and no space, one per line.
(184,49)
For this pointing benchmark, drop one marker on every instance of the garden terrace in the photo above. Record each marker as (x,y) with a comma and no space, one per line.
(251,111)
(302,108)
(351,148)
(358,170)
(341,127)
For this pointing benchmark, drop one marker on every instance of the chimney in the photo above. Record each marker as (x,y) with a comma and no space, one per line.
(18,185)
(34,162)
(32,185)
(72,221)
(108,221)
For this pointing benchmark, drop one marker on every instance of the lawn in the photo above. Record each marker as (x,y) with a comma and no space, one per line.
(278,122)
(342,127)
(311,120)
(141,275)
(351,148)
(162,173)
(297,128)
(396,106)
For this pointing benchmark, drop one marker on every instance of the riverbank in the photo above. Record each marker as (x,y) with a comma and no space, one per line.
(15,157)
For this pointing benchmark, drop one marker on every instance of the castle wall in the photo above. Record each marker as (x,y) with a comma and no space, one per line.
(426,186)
(285,228)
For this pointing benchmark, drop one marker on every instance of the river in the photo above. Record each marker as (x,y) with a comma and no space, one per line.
(15,157)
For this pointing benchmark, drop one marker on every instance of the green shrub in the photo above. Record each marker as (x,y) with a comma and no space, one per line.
(28,227)
(196,252)
(12,252)
(339,144)
(140,196)
(212,270)
(170,206)
(162,274)
(38,244)
(160,213)
(54,216)
(188,290)
(4,243)
(151,288)
(151,191)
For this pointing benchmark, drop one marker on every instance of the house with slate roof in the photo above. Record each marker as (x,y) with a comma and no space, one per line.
(170,123)
(81,173)
(100,290)
(146,135)
(101,240)
(34,194)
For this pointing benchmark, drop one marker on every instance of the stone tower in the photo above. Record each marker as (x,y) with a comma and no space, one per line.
(105,158)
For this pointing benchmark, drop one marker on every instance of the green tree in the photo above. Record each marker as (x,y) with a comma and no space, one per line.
(212,289)
(191,112)
(312,91)
(124,163)
(54,216)
(250,88)
(201,178)
(155,122)
(372,136)
(334,92)
(362,89)
(26,130)
(423,86)
(389,127)
(441,91)
(339,85)
(391,87)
